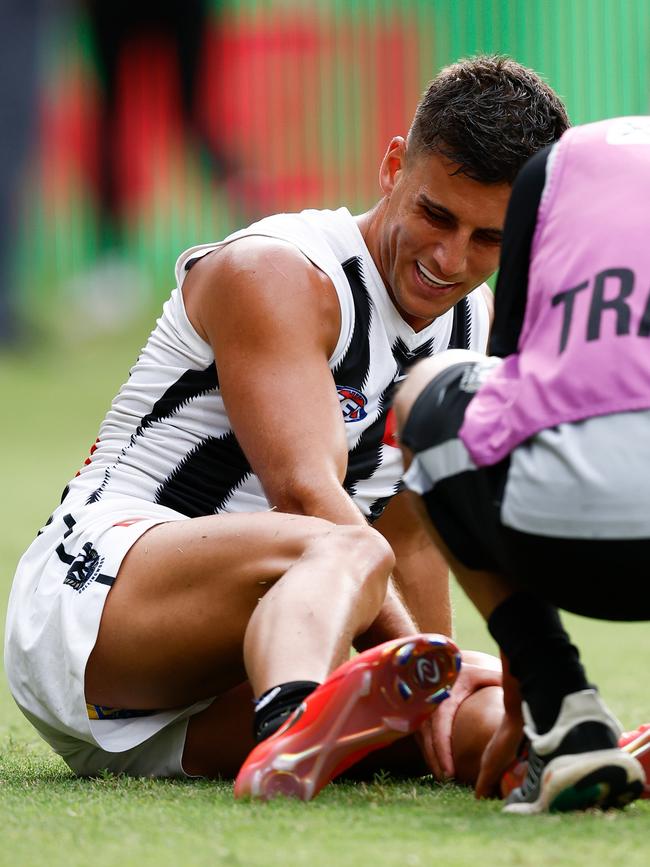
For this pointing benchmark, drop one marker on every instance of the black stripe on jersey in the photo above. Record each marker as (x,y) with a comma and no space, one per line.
(47,524)
(206,478)
(377,508)
(96,494)
(364,459)
(406,358)
(354,367)
(461,330)
(192,384)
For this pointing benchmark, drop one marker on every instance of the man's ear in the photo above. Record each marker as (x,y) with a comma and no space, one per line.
(392,164)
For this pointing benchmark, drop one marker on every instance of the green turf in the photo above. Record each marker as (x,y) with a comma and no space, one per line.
(54,399)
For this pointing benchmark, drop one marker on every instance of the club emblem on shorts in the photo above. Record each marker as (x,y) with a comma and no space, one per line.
(85,567)
(352,403)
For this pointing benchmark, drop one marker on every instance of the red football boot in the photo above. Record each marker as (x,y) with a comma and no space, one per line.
(637,744)
(370,701)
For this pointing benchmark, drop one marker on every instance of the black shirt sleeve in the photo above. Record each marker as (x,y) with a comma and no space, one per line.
(512,284)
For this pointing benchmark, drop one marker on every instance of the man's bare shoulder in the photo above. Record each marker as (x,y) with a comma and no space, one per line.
(258,259)
(259,273)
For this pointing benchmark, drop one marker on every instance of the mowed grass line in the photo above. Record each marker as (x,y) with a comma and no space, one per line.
(55,399)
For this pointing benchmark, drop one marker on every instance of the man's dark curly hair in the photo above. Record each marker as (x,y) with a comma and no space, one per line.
(488,114)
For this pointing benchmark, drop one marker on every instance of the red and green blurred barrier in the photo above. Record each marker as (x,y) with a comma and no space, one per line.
(303,98)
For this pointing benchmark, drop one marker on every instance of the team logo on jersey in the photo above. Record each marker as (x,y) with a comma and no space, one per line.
(85,567)
(352,403)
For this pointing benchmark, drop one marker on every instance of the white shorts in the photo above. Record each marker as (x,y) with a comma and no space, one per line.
(55,608)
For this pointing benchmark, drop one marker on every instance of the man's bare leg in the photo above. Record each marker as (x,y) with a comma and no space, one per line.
(220,737)
(175,622)
(188,606)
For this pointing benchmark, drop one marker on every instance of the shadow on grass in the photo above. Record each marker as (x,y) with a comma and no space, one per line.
(25,764)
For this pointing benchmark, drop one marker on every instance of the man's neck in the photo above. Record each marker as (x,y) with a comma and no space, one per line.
(369,224)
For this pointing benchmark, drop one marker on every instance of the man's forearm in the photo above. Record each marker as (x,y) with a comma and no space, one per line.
(421,573)
(423,585)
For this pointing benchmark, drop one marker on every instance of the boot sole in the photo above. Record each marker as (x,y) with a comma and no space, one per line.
(377,702)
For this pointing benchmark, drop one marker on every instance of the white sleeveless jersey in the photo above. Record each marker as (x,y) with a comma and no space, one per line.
(167,437)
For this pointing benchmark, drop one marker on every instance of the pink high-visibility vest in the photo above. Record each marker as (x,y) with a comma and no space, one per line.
(584,348)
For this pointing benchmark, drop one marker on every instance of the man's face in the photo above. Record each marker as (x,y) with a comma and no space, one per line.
(440,236)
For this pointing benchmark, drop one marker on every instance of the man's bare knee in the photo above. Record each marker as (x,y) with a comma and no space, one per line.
(422,374)
(365,549)
(371,547)
(365,561)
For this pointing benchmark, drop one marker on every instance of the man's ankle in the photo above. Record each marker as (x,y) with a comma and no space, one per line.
(277,704)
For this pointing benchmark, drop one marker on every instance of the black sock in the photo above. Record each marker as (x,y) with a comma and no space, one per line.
(542,659)
(274,706)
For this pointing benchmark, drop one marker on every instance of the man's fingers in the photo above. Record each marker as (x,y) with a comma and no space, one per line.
(425,740)
(500,752)
(486,661)
(488,781)
(477,676)
(490,771)
(437,733)
(472,678)
(441,724)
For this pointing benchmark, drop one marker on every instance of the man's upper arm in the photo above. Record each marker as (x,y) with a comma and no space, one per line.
(273,319)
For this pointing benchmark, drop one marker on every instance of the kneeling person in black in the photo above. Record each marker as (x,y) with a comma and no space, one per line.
(518,462)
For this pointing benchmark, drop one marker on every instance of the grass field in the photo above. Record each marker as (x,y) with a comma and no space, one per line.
(54,399)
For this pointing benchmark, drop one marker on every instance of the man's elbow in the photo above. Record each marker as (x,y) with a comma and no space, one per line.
(304,494)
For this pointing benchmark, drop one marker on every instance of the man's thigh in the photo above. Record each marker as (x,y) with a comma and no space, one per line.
(173,624)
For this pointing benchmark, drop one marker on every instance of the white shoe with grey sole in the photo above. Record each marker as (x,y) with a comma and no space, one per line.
(577,764)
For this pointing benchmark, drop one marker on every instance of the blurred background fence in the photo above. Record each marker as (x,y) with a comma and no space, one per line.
(161,130)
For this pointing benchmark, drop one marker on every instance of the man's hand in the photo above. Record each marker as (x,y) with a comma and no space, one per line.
(502,748)
(498,756)
(478,670)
